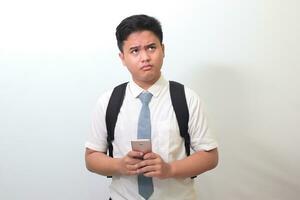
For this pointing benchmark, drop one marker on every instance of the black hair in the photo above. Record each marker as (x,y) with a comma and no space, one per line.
(136,23)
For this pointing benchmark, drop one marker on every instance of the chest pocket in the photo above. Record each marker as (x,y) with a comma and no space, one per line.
(125,131)
(167,141)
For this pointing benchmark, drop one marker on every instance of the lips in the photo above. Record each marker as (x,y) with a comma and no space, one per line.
(146,67)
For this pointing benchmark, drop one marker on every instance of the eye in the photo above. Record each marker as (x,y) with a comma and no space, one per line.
(134,51)
(152,48)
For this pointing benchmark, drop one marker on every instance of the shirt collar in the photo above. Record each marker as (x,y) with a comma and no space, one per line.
(155,89)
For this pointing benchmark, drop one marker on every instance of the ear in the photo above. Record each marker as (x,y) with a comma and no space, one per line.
(163,49)
(121,56)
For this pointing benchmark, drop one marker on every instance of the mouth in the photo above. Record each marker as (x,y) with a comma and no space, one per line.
(146,67)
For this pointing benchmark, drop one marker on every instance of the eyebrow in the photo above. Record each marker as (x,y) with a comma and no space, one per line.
(134,47)
(137,47)
(151,44)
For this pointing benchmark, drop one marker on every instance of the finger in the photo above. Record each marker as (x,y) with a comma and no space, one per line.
(152,174)
(131,172)
(132,167)
(146,169)
(150,155)
(135,154)
(132,161)
(145,163)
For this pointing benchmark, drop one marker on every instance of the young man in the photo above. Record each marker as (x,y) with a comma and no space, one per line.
(166,170)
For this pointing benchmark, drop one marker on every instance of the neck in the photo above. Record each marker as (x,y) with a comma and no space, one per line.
(146,84)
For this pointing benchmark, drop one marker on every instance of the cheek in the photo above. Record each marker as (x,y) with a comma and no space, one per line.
(132,66)
(159,60)
(130,62)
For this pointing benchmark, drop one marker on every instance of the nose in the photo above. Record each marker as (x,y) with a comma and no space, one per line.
(144,56)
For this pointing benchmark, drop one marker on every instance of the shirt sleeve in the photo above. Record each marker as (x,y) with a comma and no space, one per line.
(97,136)
(201,137)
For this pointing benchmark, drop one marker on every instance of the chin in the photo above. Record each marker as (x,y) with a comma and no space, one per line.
(152,80)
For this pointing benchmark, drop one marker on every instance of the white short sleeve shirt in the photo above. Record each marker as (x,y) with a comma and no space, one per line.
(165,136)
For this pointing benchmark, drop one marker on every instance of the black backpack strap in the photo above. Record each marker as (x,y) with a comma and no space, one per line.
(112,112)
(182,113)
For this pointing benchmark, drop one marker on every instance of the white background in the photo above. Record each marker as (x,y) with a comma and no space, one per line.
(242,57)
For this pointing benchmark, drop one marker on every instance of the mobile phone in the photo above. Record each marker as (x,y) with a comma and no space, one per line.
(142,145)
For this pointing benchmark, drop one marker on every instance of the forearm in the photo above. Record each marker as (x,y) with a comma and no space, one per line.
(195,164)
(100,163)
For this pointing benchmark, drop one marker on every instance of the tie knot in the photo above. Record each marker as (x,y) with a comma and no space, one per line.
(145,97)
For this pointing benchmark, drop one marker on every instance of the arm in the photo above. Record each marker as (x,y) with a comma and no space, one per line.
(193,165)
(196,164)
(100,163)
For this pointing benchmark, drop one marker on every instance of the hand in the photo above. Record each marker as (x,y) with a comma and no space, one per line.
(128,164)
(154,166)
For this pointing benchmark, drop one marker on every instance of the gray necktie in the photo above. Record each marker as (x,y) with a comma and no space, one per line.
(145,184)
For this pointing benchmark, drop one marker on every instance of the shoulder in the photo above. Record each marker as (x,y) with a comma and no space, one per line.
(102,101)
(189,93)
(104,98)
(192,97)
(105,95)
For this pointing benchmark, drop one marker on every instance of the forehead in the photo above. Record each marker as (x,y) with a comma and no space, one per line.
(140,38)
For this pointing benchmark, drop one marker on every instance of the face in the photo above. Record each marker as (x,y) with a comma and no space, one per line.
(143,56)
